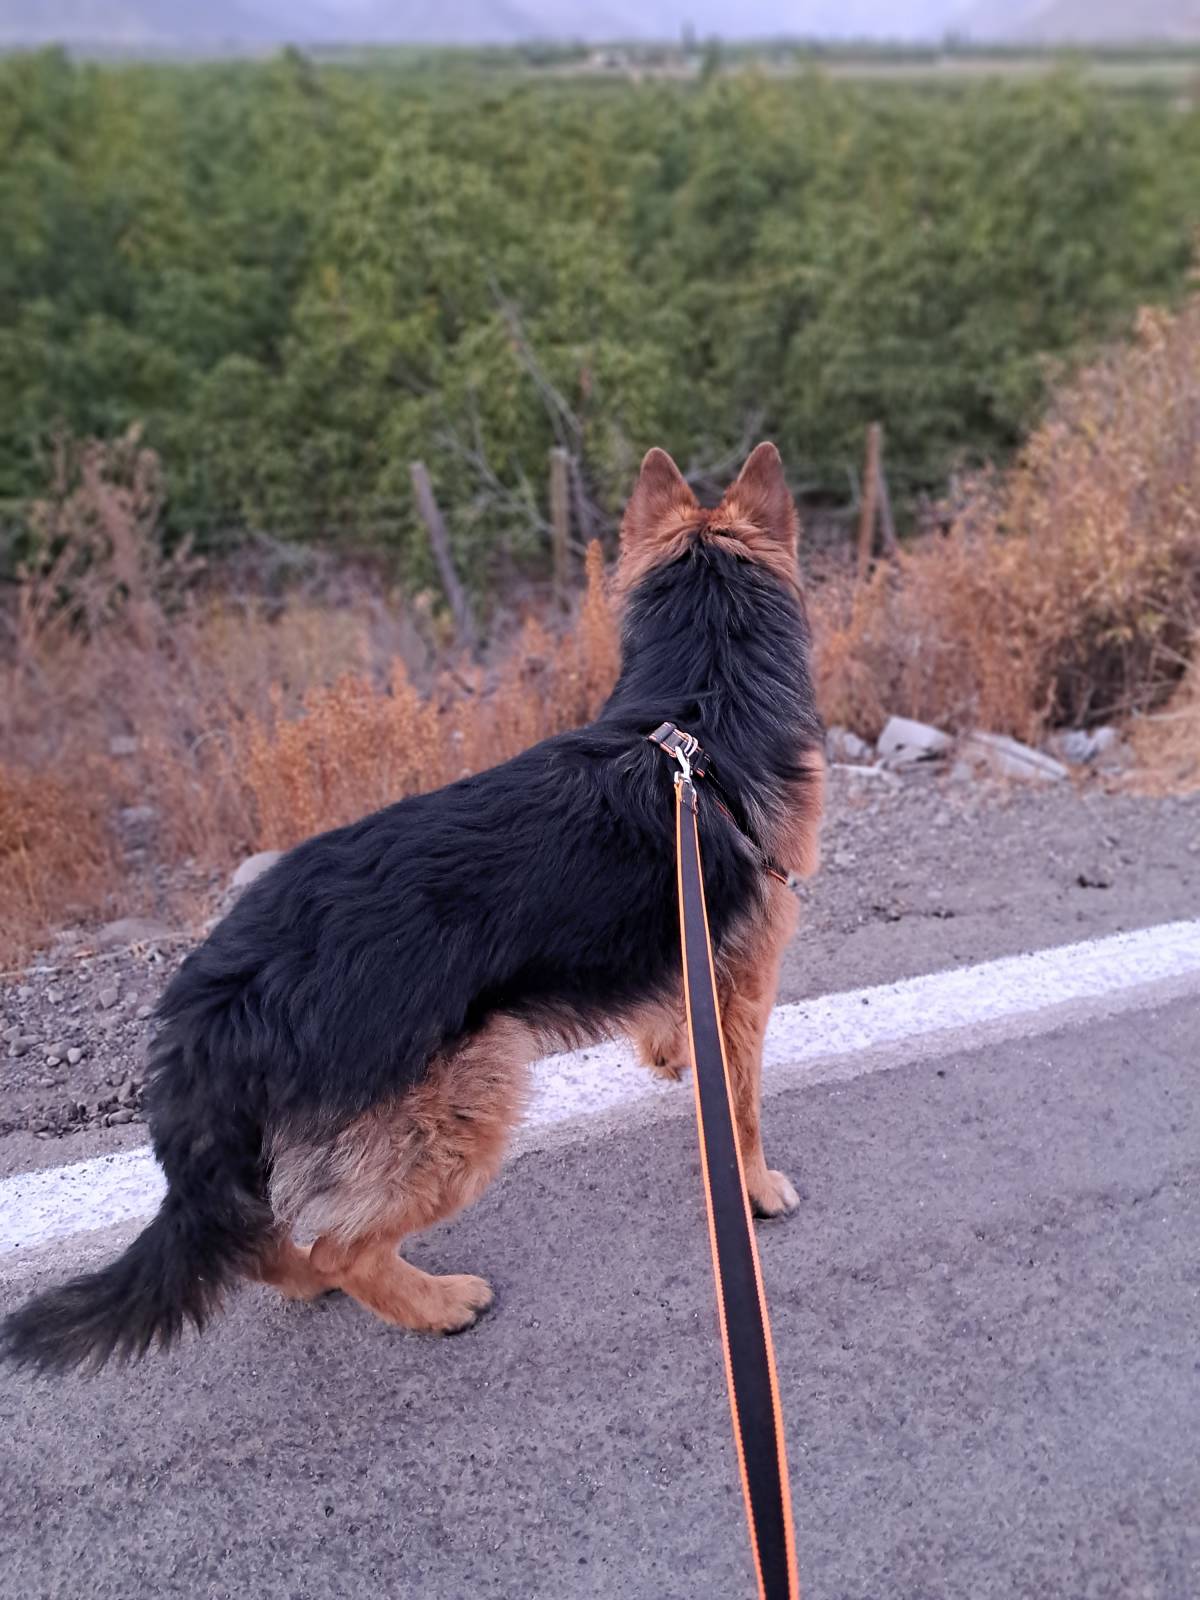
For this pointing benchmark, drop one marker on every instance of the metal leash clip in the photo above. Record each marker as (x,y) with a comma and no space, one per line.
(684,748)
(688,746)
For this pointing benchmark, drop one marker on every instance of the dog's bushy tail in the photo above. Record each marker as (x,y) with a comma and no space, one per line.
(209,1227)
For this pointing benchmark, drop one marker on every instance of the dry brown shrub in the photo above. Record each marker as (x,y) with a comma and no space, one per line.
(1166,743)
(56,855)
(358,743)
(110,635)
(1066,590)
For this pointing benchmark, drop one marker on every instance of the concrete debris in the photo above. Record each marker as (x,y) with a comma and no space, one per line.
(904,741)
(1009,758)
(1081,746)
(877,771)
(843,745)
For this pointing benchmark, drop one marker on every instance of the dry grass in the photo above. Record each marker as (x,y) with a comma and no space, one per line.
(356,744)
(1166,743)
(56,856)
(253,725)
(1066,591)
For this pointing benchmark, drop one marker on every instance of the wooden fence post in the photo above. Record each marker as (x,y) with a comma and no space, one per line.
(887,525)
(870,501)
(560,519)
(435,526)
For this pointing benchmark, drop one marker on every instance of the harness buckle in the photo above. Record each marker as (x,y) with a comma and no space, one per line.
(684,748)
(680,746)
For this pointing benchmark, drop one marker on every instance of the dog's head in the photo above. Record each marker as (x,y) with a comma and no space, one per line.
(756,519)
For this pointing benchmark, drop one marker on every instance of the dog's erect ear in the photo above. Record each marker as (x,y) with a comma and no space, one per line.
(660,502)
(761,496)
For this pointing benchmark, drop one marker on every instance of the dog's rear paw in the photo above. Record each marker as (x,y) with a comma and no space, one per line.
(665,1054)
(774,1196)
(663,1066)
(462,1300)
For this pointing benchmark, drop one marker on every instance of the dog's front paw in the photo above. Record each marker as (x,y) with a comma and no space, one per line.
(461,1300)
(774,1195)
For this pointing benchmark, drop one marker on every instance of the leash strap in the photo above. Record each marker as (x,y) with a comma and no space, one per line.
(741,1301)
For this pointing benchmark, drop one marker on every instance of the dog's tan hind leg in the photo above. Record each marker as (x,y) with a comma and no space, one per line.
(289,1268)
(371,1271)
(405,1165)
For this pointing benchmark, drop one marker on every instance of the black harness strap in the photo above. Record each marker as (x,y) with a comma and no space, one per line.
(741,1301)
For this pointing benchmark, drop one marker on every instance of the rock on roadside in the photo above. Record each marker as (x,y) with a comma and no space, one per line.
(126,931)
(253,867)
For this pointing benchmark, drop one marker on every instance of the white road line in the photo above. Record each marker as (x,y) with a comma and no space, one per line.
(804,1041)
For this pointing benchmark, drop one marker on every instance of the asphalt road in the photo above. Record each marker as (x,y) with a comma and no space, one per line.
(987,1315)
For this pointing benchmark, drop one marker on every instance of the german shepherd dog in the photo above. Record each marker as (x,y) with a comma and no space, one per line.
(347,1054)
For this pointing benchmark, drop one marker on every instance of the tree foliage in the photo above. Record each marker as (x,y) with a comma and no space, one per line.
(299,277)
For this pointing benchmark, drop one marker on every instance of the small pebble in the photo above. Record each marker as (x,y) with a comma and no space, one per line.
(74,1056)
(108,997)
(54,996)
(143,1012)
(116,1117)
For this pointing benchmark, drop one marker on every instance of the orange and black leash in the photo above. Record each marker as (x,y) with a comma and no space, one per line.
(741,1300)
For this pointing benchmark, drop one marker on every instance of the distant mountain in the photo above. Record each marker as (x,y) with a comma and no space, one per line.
(192,24)
(145,24)
(198,24)
(1083,21)
(478,21)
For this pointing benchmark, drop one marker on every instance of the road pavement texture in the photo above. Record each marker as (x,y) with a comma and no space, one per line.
(986,1316)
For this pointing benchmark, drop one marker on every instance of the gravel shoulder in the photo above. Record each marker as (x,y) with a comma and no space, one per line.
(920,873)
(932,873)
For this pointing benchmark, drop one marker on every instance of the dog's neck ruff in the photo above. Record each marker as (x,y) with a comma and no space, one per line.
(695,762)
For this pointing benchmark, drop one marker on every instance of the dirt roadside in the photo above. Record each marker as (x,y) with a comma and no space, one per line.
(936,873)
(919,874)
